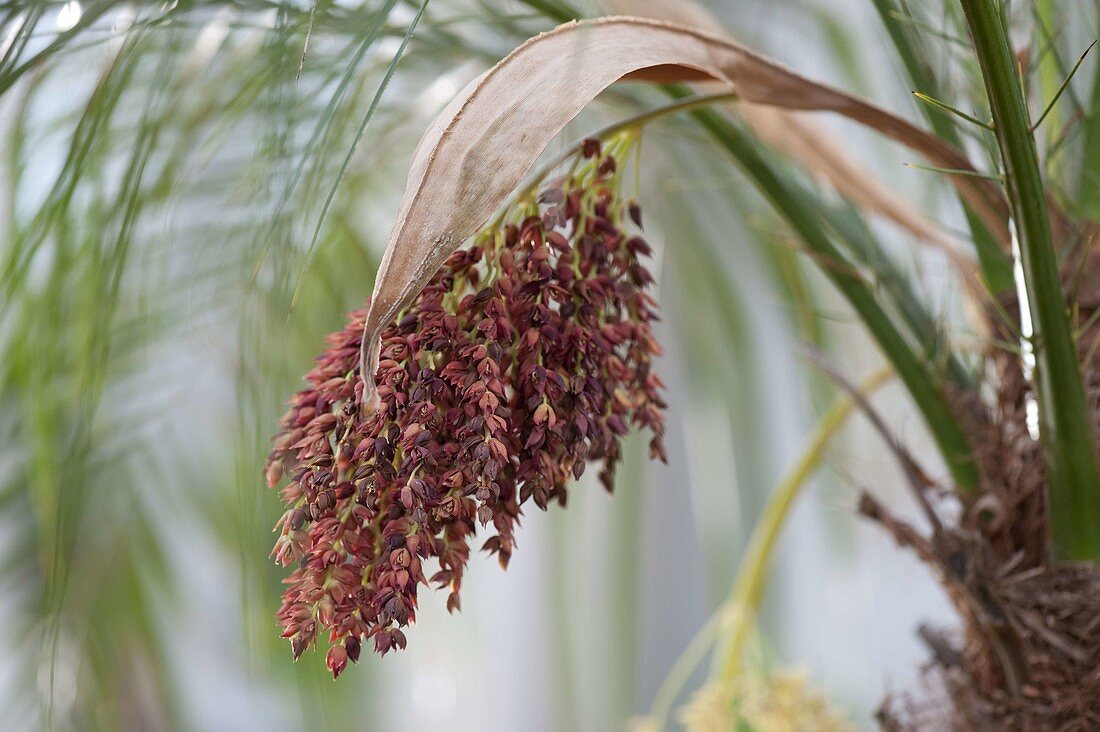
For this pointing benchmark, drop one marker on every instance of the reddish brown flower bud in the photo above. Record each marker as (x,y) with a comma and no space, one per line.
(298,646)
(353,648)
(337,660)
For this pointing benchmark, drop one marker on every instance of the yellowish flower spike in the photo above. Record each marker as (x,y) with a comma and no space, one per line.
(782,701)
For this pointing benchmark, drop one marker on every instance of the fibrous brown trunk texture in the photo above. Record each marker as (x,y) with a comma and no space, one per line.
(1027,654)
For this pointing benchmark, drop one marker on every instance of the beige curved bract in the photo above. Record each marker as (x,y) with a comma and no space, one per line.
(793,135)
(796,136)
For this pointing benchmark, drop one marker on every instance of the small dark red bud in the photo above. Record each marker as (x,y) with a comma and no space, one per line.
(325,501)
(353,648)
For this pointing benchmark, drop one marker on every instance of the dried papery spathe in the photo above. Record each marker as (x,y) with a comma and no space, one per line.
(792,135)
(487,139)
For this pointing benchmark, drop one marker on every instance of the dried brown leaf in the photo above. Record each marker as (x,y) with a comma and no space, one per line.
(483,143)
(796,136)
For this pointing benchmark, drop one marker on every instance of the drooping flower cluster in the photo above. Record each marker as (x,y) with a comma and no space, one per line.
(526,357)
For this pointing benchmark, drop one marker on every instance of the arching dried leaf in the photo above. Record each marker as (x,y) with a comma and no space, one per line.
(796,136)
(484,142)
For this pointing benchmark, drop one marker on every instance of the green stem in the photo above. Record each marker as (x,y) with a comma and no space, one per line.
(900,292)
(748,590)
(685,664)
(734,617)
(995,262)
(1048,65)
(1065,427)
(1088,182)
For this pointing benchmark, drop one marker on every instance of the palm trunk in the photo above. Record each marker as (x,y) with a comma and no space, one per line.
(1028,654)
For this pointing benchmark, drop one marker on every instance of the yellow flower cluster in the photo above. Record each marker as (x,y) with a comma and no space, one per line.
(783,701)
